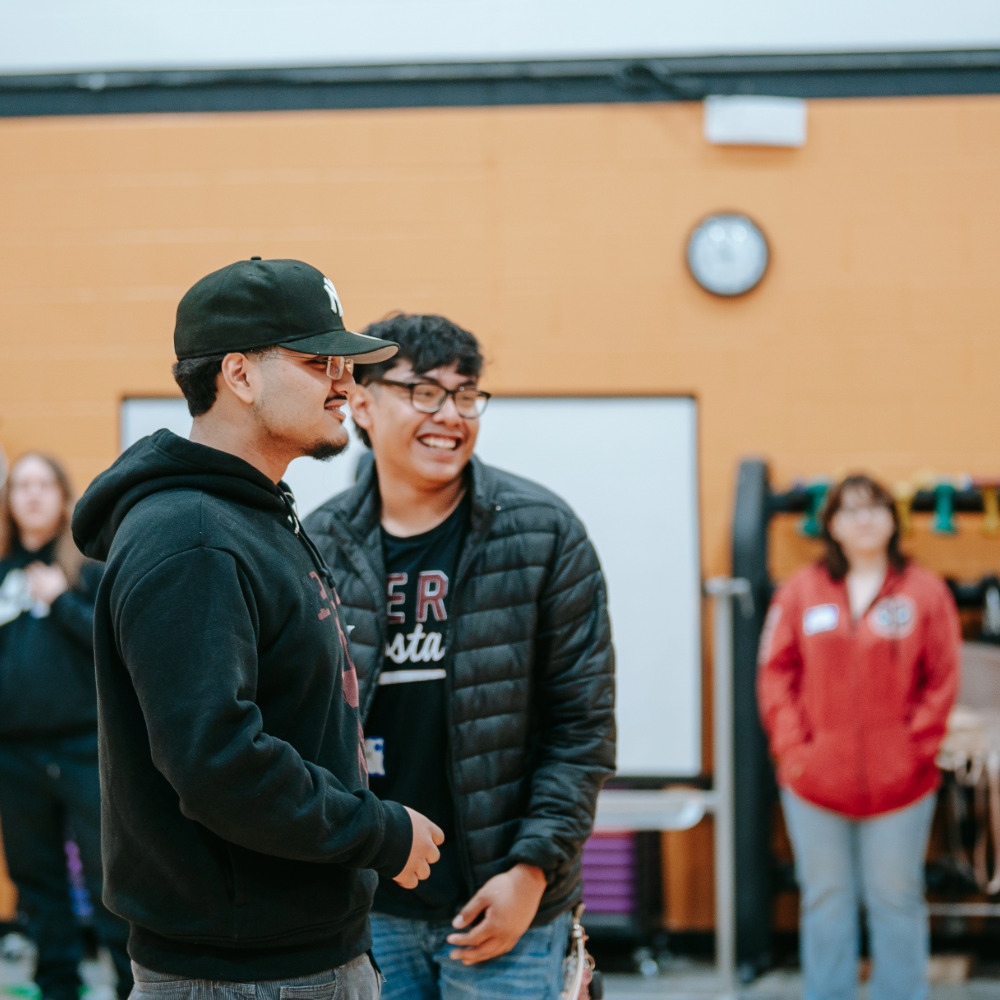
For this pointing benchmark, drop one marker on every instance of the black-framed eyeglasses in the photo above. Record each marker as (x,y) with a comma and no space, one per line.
(429,397)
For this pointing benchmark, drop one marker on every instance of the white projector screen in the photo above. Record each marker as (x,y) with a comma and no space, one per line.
(628,467)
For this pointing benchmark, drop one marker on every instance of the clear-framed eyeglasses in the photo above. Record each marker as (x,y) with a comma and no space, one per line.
(334,365)
(852,513)
(429,397)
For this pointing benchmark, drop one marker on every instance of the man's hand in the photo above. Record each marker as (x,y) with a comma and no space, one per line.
(423,850)
(508,903)
(45,583)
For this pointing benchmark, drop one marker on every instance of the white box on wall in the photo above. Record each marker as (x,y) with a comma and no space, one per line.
(755,121)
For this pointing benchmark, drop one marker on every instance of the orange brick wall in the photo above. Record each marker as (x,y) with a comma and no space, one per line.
(557,234)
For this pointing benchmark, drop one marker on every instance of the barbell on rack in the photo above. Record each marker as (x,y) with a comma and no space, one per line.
(942,496)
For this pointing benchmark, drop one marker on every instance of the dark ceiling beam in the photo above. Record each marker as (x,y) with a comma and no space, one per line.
(817,75)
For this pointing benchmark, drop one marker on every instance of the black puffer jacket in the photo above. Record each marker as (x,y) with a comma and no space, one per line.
(531,692)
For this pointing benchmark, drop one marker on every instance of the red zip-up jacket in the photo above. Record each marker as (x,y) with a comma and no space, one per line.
(855,710)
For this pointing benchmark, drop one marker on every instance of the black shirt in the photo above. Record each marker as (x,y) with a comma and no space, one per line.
(406,736)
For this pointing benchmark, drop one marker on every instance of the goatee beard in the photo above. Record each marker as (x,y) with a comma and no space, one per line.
(323,451)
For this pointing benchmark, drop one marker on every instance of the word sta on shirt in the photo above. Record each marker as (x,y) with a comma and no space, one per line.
(417,646)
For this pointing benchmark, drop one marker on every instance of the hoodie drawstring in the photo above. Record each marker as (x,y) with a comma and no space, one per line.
(314,553)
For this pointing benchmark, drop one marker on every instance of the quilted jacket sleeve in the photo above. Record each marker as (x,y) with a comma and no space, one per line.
(575,700)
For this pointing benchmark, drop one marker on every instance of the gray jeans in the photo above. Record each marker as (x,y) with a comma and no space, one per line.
(356,980)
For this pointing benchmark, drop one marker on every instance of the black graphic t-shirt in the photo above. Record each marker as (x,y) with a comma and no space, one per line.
(406,736)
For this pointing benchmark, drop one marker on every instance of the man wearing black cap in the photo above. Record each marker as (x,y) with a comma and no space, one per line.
(241,841)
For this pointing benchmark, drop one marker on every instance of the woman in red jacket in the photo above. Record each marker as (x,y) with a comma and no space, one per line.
(859,667)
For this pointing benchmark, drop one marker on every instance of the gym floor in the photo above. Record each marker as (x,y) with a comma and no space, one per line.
(675,979)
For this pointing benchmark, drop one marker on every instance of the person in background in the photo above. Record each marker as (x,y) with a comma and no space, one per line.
(481,635)
(49,785)
(859,667)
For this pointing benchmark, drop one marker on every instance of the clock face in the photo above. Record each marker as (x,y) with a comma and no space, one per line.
(727,254)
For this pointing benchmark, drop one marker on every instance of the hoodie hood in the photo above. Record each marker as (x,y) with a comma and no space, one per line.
(164,461)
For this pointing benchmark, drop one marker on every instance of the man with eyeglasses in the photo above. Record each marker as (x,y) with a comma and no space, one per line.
(480,632)
(241,840)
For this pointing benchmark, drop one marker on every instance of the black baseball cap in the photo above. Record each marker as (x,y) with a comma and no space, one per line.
(269,303)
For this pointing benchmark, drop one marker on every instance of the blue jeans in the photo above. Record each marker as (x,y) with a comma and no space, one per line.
(355,980)
(842,863)
(413,955)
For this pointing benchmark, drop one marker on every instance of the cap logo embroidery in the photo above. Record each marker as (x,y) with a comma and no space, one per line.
(334,297)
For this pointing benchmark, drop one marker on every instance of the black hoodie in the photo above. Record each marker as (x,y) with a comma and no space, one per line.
(237,821)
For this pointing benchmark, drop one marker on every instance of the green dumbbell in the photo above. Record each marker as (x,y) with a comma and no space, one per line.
(944,509)
(815,496)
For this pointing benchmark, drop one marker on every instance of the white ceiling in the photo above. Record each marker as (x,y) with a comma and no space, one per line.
(91,35)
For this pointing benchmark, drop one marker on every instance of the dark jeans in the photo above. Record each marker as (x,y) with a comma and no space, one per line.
(48,788)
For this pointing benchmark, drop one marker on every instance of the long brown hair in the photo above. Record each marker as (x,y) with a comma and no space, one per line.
(67,555)
(834,558)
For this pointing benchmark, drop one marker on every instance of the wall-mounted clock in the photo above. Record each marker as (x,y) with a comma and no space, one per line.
(727,254)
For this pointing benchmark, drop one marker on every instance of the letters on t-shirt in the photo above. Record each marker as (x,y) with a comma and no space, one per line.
(418,646)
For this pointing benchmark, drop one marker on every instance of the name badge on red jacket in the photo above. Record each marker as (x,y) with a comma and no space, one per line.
(820,618)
